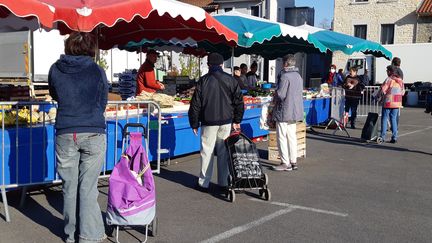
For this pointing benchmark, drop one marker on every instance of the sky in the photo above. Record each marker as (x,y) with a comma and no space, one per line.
(323,9)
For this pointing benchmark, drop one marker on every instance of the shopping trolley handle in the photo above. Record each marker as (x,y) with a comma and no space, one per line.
(136,125)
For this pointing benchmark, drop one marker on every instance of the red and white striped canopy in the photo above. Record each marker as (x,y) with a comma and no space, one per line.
(116,21)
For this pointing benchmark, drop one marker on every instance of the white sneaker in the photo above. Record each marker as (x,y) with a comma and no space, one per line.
(282,167)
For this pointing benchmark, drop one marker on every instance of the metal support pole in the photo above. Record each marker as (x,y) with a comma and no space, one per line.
(112,68)
(232,60)
(3,188)
(140,56)
(199,66)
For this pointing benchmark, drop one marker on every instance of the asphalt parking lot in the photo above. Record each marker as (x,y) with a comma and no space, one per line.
(344,191)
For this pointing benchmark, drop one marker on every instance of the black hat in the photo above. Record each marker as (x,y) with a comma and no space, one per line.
(151,51)
(215,59)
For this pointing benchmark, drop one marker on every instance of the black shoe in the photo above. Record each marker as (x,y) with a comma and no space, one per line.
(294,166)
(393,141)
(353,126)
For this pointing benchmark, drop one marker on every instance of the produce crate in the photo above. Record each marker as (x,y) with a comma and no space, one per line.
(272,139)
(273,152)
(14,93)
(301,139)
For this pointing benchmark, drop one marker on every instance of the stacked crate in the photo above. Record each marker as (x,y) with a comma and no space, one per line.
(14,93)
(273,152)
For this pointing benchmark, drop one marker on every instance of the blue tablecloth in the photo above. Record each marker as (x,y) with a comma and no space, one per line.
(177,136)
(317,110)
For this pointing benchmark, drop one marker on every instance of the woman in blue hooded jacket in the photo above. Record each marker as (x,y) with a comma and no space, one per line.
(80,88)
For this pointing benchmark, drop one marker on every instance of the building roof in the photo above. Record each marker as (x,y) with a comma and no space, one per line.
(208,5)
(425,8)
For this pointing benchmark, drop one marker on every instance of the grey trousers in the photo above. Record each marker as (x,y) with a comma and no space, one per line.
(212,137)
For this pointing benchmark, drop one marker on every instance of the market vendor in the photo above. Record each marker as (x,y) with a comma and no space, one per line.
(333,78)
(146,78)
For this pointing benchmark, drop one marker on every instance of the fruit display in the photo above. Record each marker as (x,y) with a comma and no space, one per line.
(25,117)
(313,93)
(251,100)
(310,94)
(5,107)
(162,99)
(258,92)
(184,95)
(112,111)
(184,100)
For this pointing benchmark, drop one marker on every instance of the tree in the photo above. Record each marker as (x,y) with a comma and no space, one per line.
(102,62)
(189,66)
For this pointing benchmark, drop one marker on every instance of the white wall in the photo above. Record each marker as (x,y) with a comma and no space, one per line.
(47,48)
(118,61)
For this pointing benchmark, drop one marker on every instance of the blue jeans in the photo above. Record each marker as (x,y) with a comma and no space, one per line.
(394,114)
(79,161)
(352,104)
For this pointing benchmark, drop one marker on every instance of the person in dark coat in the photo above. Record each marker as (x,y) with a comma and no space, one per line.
(252,77)
(353,93)
(243,72)
(237,76)
(217,107)
(333,78)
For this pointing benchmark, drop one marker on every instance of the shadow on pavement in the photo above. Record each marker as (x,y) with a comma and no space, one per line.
(180,177)
(356,141)
(42,216)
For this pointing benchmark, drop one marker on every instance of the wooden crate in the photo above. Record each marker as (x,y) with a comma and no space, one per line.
(272,139)
(273,152)
(301,140)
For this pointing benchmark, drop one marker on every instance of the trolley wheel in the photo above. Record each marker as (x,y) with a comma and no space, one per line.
(261,192)
(267,194)
(266,179)
(231,196)
(380,140)
(109,230)
(153,227)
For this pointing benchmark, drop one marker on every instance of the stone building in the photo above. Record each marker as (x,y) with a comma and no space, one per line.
(383,21)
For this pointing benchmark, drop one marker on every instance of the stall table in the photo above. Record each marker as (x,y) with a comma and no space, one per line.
(37,144)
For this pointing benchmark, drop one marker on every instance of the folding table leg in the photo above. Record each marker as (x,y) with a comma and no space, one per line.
(23,196)
(5,204)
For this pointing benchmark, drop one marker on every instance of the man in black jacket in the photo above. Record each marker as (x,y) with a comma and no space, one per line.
(216,104)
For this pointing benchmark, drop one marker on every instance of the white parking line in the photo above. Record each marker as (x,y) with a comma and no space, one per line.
(240,229)
(316,210)
(288,208)
(416,131)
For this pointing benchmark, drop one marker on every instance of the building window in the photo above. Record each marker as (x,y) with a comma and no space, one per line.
(227,9)
(387,34)
(360,31)
(255,11)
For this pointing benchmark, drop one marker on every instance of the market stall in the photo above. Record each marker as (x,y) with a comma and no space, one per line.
(34,159)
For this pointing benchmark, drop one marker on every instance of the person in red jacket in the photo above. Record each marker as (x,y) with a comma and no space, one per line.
(146,80)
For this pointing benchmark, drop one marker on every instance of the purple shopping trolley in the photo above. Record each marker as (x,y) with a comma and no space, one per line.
(131,194)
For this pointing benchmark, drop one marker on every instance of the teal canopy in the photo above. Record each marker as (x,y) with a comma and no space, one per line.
(347,44)
(263,37)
